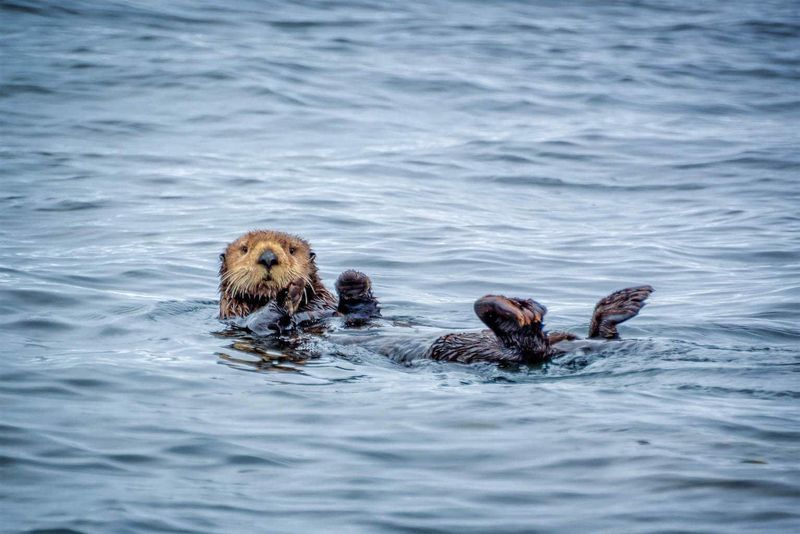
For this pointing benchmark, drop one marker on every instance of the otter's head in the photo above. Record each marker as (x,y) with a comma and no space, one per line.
(258,266)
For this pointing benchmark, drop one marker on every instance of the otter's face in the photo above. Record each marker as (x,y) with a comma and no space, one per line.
(262,263)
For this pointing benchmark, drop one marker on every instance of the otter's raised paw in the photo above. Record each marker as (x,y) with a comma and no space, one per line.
(356,301)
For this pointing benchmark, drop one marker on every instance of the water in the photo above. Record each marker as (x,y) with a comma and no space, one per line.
(448,149)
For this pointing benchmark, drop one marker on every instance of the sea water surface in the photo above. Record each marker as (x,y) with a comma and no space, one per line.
(450,149)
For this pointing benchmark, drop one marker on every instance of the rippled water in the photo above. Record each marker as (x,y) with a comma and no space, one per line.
(448,149)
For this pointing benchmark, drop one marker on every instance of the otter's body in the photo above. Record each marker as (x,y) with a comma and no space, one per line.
(275,270)
(516,332)
(470,347)
(275,274)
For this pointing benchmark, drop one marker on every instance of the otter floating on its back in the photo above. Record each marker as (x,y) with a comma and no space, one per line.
(516,332)
(270,279)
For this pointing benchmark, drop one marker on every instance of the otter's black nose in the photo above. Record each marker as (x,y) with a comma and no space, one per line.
(268,259)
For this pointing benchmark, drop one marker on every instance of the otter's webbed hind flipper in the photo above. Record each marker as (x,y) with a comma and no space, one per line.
(517,323)
(616,308)
(356,302)
(508,317)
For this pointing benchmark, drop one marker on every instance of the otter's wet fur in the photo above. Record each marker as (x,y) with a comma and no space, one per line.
(516,329)
(276,272)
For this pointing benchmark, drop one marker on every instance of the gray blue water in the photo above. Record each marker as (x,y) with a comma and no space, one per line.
(449,149)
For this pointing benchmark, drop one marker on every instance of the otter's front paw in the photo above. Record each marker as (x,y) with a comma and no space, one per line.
(294,296)
(356,301)
(270,319)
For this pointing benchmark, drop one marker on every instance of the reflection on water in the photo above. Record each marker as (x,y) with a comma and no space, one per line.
(449,151)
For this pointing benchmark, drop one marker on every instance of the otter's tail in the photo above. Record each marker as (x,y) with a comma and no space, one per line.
(616,308)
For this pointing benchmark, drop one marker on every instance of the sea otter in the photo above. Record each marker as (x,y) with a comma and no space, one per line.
(516,332)
(276,272)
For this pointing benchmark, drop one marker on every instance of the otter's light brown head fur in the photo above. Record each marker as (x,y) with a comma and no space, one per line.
(258,266)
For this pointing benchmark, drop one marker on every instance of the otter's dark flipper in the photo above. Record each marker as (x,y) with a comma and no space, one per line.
(356,301)
(509,318)
(616,308)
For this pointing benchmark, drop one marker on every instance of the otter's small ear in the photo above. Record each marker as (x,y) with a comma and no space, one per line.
(223,269)
(312,255)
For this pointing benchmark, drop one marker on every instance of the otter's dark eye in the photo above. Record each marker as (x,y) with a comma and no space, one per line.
(243,248)
(292,250)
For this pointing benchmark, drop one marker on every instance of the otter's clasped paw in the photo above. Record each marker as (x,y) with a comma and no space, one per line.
(270,319)
(294,296)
